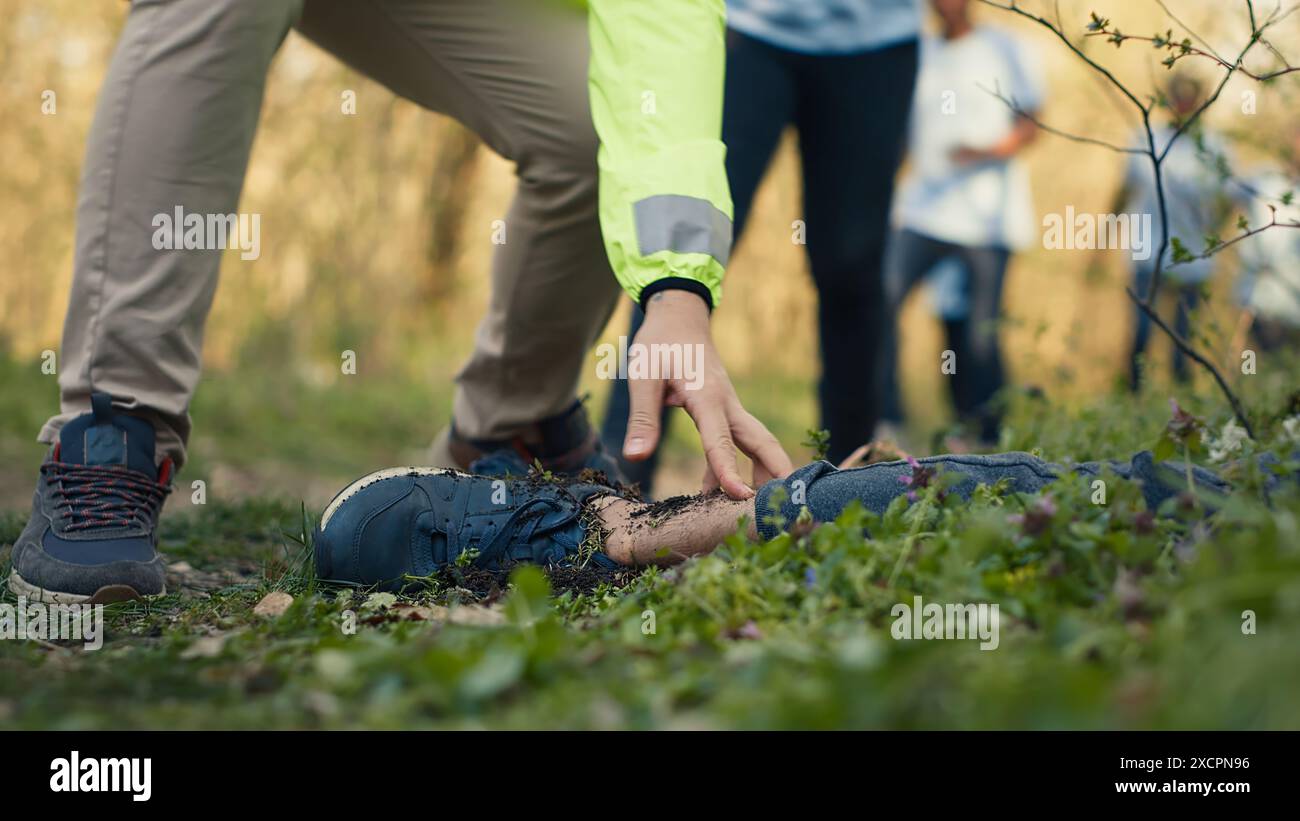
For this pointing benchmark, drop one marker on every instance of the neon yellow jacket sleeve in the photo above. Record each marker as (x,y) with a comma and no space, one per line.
(656,78)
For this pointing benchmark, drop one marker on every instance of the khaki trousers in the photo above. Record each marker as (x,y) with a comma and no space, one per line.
(175,123)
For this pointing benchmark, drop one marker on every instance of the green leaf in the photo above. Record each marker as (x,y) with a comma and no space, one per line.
(498,670)
(1166,448)
(379,601)
(530,596)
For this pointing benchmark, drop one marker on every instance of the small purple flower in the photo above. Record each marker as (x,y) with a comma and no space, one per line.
(809,578)
(1144,522)
(1036,518)
(749,630)
(919,478)
(1182,426)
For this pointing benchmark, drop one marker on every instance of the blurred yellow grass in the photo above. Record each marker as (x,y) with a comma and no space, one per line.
(347,214)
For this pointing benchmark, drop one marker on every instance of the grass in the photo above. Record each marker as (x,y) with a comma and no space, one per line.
(1107,620)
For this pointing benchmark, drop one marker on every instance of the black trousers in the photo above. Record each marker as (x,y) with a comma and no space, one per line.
(851,114)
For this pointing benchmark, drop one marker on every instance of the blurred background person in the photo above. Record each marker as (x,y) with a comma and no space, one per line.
(841,72)
(1196,205)
(966,196)
(1269,286)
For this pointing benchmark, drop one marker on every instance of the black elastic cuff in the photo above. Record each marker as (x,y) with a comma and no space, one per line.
(677,284)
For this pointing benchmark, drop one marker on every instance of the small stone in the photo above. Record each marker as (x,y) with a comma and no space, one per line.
(274,605)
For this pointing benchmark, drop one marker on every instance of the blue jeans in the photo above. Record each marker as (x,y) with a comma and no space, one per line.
(851,113)
(826,491)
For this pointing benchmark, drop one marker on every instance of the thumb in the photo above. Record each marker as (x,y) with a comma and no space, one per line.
(643,418)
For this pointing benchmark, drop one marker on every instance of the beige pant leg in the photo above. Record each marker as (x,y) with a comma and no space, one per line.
(173,127)
(516,75)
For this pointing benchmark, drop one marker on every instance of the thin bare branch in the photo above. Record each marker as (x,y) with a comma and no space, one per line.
(1078,138)
(1198,38)
(1196,356)
(1231,242)
(1047,24)
(1100,27)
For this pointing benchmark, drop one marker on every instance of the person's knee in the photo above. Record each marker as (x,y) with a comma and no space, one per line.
(235,30)
(560,166)
(261,13)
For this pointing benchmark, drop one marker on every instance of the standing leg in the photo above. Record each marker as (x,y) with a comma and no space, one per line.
(957,332)
(516,75)
(1141,329)
(909,258)
(852,115)
(758,104)
(173,129)
(1188,298)
(986,269)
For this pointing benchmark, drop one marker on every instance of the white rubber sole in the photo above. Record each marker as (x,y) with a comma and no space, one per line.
(104,595)
(377,476)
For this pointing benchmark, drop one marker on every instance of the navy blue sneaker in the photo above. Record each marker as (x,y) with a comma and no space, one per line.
(411,521)
(564,445)
(93,534)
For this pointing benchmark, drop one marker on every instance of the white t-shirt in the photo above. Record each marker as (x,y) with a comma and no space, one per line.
(1193,191)
(981,204)
(1270,282)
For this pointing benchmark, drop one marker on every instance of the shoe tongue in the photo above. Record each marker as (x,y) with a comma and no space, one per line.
(103,437)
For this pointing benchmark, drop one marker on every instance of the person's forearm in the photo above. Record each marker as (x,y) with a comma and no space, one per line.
(1022,134)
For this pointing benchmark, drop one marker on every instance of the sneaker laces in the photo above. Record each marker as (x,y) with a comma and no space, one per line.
(520,525)
(104,496)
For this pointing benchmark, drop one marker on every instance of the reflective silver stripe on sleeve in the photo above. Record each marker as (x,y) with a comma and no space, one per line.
(684,225)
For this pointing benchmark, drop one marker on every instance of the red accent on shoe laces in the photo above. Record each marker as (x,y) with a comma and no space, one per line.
(105,495)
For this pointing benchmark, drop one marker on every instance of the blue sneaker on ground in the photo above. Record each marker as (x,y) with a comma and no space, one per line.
(93,534)
(564,445)
(412,521)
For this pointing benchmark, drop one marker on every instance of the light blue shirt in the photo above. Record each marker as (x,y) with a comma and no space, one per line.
(827,26)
